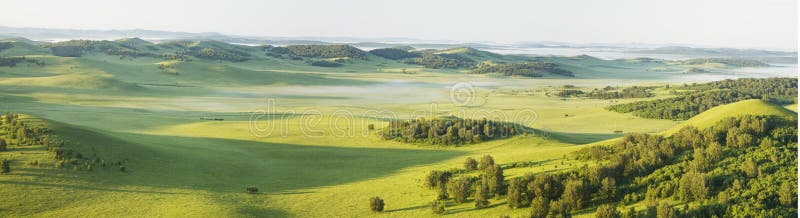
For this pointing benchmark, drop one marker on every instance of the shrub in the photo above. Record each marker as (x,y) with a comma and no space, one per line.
(3,145)
(122,168)
(251,190)
(376,204)
(5,166)
(470,164)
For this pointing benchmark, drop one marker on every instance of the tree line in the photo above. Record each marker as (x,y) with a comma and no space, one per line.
(529,69)
(448,131)
(441,61)
(609,93)
(694,99)
(393,53)
(20,133)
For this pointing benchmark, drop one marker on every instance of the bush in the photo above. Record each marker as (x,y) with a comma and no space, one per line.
(3,145)
(5,166)
(122,168)
(251,190)
(376,204)
(470,164)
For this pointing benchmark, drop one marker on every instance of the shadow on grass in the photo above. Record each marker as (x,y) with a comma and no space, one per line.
(581,138)
(78,187)
(407,208)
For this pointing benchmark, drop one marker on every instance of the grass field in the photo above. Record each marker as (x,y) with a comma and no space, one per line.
(177,164)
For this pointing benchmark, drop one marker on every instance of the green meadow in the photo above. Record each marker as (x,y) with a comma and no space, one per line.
(184,131)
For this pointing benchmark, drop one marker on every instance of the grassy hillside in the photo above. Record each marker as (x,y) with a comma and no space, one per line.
(746,107)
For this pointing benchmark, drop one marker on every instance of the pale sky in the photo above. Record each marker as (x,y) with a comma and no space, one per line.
(768,24)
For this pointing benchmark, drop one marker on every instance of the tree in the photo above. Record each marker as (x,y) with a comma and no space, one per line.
(575,194)
(787,194)
(482,194)
(560,208)
(470,164)
(437,178)
(665,211)
(3,145)
(251,190)
(608,189)
(459,189)
(5,167)
(540,207)
(750,168)
(495,177)
(516,195)
(486,161)
(376,204)
(607,211)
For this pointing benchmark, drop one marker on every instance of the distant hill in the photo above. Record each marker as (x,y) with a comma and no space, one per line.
(681,50)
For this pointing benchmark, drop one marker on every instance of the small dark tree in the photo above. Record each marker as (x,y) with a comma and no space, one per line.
(470,164)
(371,126)
(122,168)
(5,167)
(251,190)
(376,204)
(3,145)
(607,211)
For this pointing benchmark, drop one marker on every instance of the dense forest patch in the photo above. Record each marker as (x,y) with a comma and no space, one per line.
(741,167)
(393,53)
(696,98)
(529,69)
(449,131)
(438,61)
(609,93)
(326,51)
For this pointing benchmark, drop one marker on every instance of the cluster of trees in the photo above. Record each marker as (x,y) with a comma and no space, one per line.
(13,61)
(325,63)
(703,97)
(449,186)
(393,53)
(776,90)
(448,131)
(438,61)
(609,93)
(740,167)
(176,50)
(6,45)
(325,51)
(20,133)
(735,62)
(529,69)
(216,54)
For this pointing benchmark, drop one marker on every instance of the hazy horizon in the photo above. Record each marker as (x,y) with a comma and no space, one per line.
(737,24)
